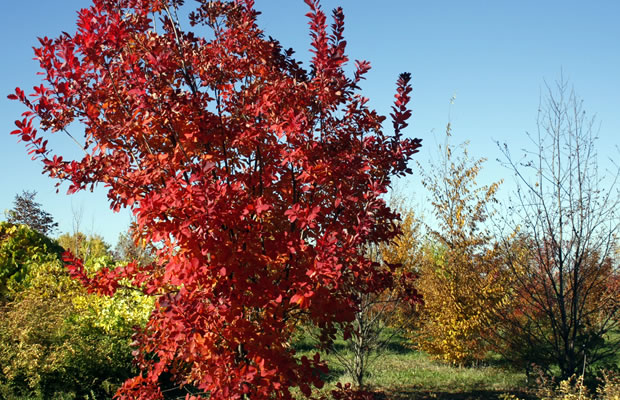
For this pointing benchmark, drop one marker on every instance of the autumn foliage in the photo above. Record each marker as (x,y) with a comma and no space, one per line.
(259,180)
(462,274)
(528,331)
(565,266)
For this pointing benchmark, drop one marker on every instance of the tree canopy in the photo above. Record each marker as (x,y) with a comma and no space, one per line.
(261,181)
(28,212)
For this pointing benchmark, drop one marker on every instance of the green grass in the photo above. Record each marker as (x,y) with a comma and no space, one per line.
(400,373)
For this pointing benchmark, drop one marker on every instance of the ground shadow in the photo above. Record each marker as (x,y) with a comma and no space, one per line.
(397,347)
(419,394)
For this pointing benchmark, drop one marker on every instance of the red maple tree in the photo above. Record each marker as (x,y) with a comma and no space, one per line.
(260,182)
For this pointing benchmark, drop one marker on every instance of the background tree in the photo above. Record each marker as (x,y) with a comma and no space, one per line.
(28,212)
(86,247)
(380,317)
(259,180)
(132,247)
(461,275)
(568,218)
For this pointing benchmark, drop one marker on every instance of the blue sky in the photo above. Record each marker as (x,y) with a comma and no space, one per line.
(493,56)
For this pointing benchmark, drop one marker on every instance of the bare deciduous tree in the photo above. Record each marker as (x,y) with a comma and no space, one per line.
(568,216)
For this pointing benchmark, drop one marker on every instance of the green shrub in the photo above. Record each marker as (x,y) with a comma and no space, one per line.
(56,340)
(21,250)
(47,353)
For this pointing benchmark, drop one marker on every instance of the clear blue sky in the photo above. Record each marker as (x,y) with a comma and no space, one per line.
(493,55)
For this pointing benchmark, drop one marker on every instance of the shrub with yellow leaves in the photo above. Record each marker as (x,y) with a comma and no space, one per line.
(462,279)
(56,340)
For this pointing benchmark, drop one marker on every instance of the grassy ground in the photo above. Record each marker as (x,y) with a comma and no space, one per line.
(400,373)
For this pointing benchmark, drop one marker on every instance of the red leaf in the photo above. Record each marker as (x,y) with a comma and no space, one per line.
(255,178)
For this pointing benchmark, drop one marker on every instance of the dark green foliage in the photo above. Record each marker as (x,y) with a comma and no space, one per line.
(28,212)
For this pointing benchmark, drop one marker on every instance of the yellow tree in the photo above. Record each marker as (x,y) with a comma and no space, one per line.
(405,248)
(461,276)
